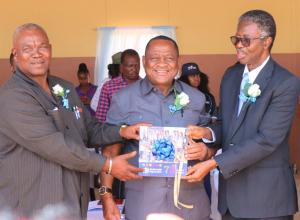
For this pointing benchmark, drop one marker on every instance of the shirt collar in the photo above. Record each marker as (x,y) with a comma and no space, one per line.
(147,86)
(23,76)
(254,73)
(120,78)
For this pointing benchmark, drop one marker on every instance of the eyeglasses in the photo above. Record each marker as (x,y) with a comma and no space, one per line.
(245,41)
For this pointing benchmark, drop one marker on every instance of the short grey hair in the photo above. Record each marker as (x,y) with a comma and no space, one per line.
(263,20)
(27,26)
(162,37)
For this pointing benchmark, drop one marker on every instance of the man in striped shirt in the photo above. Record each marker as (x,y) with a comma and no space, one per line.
(130,68)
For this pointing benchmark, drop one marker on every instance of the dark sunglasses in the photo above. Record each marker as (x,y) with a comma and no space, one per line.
(245,41)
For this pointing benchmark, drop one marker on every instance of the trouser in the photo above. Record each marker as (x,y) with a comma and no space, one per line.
(228,216)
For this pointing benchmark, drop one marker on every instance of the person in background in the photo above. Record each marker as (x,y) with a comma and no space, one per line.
(85,89)
(129,68)
(44,134)
(113,72)
(191,75)
(258,103)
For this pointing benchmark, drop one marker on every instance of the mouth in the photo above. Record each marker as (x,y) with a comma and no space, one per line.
(240,54)
(161,72)
(133,73)
(38,63)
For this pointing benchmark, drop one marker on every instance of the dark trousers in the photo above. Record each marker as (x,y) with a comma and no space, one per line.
(228,216)
(118,189)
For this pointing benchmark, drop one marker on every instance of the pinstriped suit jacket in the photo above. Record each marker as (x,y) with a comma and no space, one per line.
(43,155)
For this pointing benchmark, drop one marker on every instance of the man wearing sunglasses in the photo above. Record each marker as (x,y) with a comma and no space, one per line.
(258,100)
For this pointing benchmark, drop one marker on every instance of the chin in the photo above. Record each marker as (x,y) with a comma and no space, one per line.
(243,61)
(39,73)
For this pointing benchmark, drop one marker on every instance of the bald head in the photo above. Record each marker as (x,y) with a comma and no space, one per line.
(32,50)
(28,27)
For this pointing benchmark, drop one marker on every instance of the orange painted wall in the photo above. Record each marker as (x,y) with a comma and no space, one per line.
(203,27)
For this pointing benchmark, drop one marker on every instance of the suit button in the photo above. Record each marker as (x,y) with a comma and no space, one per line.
(231,144)
(67,127)
(234,172)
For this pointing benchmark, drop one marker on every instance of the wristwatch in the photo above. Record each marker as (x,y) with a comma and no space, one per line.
(103,190)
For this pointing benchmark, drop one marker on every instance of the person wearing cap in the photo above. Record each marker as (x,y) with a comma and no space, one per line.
(191,75)
(113,72)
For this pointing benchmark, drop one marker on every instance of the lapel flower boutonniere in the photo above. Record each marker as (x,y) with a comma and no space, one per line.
(181,101)
(250,92)
(59,91)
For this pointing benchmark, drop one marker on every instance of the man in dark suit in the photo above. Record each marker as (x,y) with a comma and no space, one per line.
(44,131)
(258,99)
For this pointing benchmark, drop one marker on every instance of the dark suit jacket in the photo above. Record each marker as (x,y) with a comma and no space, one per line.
(43,155)
(256,180)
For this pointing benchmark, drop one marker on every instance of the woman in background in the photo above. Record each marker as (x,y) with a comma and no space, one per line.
(195,78)
(85,89)
(191,75)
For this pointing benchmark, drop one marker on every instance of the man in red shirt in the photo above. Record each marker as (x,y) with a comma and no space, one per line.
(130,68)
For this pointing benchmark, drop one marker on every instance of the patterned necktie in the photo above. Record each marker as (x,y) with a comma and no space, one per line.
(243,83)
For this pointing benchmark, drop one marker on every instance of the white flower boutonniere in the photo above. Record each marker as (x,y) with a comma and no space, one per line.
(59,91)
(181,101)
(250,92)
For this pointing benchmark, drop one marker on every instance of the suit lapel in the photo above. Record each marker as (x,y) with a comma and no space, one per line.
(265,75)
(44,99)
(233,104)
(262,80)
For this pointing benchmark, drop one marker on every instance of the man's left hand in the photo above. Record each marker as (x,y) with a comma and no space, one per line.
(196,151)
(200,170)
(132,131)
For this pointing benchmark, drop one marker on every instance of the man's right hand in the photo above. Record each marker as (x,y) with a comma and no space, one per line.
(110,209)
(122,170)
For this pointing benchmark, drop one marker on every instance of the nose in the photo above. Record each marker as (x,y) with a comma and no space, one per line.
(134,67)
(239,44)
(162,61)
(36,52)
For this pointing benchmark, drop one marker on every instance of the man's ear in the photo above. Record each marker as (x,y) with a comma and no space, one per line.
(144,61)
(267,43)
(14,52)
